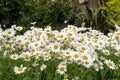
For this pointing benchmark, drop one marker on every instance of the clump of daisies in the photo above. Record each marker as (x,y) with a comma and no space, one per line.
(83,46)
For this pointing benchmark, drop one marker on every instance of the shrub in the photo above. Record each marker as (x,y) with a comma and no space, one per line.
(44,12)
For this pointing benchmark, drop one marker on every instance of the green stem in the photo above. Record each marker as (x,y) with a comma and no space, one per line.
(83,75)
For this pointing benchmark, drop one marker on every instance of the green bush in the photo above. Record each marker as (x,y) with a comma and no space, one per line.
(44,12)
(113,5)
(103,18)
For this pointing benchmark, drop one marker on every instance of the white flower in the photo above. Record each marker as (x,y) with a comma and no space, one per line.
(19,70)
(106,52)
(33,23)
(43,67)
(35,44)
(55,47)
(5,53)
(13,26)
(9,32)
(26,55)
(19,28)
(61,36)
(14,56)
(62,68)
(47,29)
(110,64)
(75,56)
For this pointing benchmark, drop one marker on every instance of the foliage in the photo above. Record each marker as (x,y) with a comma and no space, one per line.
(113,6)
(44,12)
(102,18)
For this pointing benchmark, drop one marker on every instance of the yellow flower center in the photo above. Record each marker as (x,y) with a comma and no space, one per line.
(9,47)
(61,69)
(100,43)
(14,39)
(70,34)
(76,56)
(17,44)
(53,35)
(61,36)
(106,52)
(109,64)
(68,57)
(83,48)
(86,62)
(33,50)
(47,30)
(84,57)
(60,52)
(67,52)
(48,38)
(39,33)
(55,46)
(9,32)
(108,40)
(118,33)
(96,46)
(1,38)
(36,45)
(47,50)
(14,56)
(47,44)
(19,69)
(25,55)
(114,43)
(36,54)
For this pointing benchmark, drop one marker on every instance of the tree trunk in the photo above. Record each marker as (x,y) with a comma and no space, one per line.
(93,4)
(79,6)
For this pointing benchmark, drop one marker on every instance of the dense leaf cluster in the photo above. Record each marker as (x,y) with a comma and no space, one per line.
(23,12)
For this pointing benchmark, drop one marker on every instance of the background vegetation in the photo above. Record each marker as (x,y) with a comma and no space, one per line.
(56,12)
(23,12)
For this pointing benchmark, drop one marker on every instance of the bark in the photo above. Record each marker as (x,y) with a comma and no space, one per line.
(79,6)
(93,4)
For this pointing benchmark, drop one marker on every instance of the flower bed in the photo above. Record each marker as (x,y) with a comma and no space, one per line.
(70,54)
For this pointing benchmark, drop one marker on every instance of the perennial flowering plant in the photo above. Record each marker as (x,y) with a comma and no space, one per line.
(70,54)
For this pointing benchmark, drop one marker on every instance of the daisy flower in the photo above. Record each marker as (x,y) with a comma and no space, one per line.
(47,29)
(9,32)
(14,39)
(61,36)
(14,56)
(33,23)
(110,64)
(25,55)
(106,52)
(87,60)
(87,64)
(61,69)
(55,47)
(19,28)
(35,44)
(19,70)
(114,43)
(75,56)
(70,34)
(43,67)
